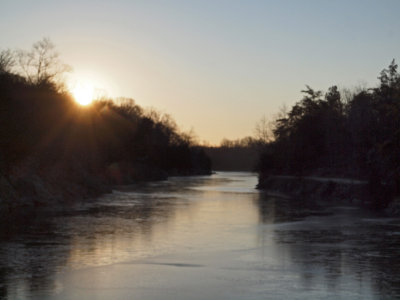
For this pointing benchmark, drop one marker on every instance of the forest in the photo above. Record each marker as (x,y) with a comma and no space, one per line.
(53,148)
(346,133)
(235,155)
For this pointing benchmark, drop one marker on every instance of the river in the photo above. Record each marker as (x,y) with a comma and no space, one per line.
(211,237)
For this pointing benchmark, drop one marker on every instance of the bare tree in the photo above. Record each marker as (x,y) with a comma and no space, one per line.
(153,114)
(263,130)
(189,137)
(41,64)
(7,60)
(226,143)
(169,122)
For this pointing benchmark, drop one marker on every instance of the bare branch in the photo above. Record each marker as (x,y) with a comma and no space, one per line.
(7,60)
(263,130)
(41,64)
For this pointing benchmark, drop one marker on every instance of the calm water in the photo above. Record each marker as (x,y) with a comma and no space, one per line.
(200,238)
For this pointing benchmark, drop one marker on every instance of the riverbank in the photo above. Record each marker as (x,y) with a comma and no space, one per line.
(328,189)
(318,188)
(22,193)
(29,188)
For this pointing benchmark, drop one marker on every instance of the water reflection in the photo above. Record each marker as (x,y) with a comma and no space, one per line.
(200,238)
(350,251)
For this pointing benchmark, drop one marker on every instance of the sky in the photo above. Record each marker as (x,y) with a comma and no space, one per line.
(216,66)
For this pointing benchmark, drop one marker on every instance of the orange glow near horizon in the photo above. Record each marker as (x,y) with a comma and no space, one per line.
(83,93)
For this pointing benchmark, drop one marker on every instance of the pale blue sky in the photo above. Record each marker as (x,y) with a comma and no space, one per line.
(216,66)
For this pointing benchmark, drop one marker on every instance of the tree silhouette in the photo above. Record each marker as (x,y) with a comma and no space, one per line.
(263,130)
(7,61)
(49,145)
(41,65)
(357,135)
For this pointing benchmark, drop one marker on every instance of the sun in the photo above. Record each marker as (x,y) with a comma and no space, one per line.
(83,93)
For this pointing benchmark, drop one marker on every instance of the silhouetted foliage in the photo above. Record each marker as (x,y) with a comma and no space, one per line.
(41,65)
(235,155)
(44,132)
(324,134)
(7,61)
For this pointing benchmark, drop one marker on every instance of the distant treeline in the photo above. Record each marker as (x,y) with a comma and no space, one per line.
(235,155)
(354,134)
(45,134)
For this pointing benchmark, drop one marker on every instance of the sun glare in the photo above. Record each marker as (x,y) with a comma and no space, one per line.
(83,93)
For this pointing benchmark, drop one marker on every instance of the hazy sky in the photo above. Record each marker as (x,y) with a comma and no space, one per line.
(215,66)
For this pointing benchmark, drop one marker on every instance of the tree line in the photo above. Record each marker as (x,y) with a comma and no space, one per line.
(45,134)
(354,134)
(235,155)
